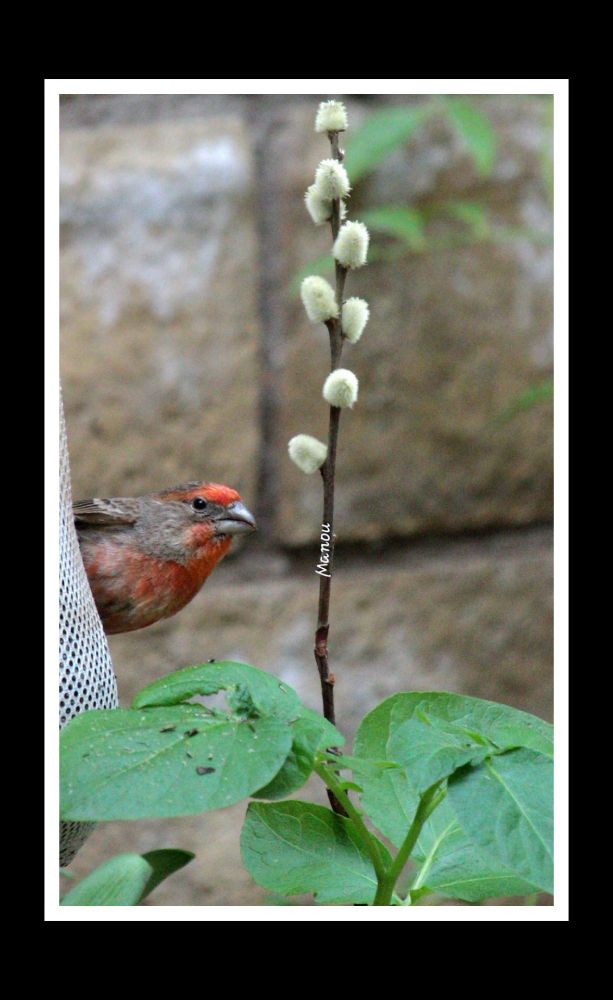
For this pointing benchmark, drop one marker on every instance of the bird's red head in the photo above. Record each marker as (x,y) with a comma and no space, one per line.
(210,513)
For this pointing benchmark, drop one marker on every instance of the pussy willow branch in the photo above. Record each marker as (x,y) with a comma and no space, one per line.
(328,471)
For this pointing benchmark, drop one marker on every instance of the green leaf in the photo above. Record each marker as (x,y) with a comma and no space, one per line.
(297,847)
(505,806)
(429,753)
(169,761)
(475,131)
(310,732)
(380,134)
(540,392)
(496,724)
(126,879)
(406,224)
(389,797)
(164,863)
(266,693)
(453,866)
(65,873)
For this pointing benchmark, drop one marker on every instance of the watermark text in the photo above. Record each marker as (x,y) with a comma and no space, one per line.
(324,556)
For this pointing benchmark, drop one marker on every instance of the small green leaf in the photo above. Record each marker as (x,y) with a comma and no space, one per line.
(65,873)
(540,392)
(297,847)
(428,753)
(164,863)
(118,882)
(379,135)
(266,694)
(406,224)
(126,879)
(476,132)
(310,732)
(505,806)
(169,761)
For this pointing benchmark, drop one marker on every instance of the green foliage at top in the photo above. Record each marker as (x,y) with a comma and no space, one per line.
(381,133)
(475,131)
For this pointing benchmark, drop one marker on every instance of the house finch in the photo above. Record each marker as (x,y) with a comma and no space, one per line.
(146,557)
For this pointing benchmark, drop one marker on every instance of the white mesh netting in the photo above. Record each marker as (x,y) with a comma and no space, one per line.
(86,671)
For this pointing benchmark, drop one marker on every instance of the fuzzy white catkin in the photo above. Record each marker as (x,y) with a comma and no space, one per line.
(331,180)
(341,388)
(307,453)
(354,317)
(331,117)
(351,245)
(318,208)
(318,299)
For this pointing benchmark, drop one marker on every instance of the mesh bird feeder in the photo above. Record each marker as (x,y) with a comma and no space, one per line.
(86,670)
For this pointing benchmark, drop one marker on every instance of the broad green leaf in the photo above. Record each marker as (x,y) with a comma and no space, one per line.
(297,847)
(380,134)
(389,797)
(476,132)
(501,725)
(118,882)
(310,732)
(267,693)
(450,864)
(164,863)
(406,224)
(170,761)
(505,806)
(429,754)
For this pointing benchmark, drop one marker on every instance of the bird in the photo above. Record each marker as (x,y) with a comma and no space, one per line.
(147,557)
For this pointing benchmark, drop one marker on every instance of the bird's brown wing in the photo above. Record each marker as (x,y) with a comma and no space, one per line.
(106,512)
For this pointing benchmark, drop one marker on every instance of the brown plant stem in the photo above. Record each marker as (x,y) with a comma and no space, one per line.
(328,472)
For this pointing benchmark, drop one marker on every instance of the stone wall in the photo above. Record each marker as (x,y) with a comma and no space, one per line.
(185,354)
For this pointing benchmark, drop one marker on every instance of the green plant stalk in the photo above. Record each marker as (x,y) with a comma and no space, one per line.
(428,803)
(386,877)
(428,862)
(370,842)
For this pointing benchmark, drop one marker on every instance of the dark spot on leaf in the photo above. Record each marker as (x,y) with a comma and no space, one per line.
(167,729)
(204,770)
(191,732)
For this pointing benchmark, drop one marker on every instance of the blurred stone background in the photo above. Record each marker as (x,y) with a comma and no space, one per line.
(185,354)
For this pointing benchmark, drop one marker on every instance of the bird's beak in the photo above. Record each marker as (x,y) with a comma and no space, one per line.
(235,520)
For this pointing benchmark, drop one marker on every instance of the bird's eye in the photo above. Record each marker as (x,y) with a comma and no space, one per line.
(199,504)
